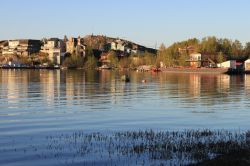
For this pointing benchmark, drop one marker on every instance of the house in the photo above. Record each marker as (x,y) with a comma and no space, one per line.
(76,46)
(226,64)
(137,49)
(247,65)
(195,60)
(187,50)
(3,44)
(232,64)
(24,47)
(117,45)
(55,48)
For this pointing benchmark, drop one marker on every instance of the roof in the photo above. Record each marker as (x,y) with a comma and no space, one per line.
(3,43)
(54,39)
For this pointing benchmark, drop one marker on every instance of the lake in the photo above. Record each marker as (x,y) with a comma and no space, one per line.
(38,104)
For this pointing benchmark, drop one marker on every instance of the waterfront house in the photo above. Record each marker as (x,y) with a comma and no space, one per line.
(24,47)
(55,49)
(247,65)
(194,60)
(76,46)
(232,64)
(226,64)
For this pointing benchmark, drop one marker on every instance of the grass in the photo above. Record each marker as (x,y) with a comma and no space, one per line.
(190,147)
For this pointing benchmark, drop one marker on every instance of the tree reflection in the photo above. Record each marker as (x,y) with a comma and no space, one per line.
(78,87)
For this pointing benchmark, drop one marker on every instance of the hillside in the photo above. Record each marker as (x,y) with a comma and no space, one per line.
(100,42)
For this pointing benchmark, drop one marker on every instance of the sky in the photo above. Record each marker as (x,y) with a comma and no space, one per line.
(147,22)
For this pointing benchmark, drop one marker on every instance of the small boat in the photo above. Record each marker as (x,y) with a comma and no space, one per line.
(104,67)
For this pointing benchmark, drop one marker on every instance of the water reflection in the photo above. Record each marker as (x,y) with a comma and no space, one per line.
(99,87)
(10,84)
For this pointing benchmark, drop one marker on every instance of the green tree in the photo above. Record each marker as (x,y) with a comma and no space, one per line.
(149,59)
(164,56)
(125,62)
(74,61)
(89,52)
(220,57)
(247,50)
(91,62)
(182,60)
(237,50)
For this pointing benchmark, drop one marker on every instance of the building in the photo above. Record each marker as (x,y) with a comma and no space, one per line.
(23,47)
(120,46)
(226,64)
(195,60)
(127,48)
(3,44)
(187,50)
(247,65)
(76,46)
(55,49)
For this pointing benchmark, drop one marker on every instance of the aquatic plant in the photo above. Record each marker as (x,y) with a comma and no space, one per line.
(138,147)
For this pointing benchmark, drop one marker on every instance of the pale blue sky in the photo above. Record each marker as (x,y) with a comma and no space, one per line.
(144,21)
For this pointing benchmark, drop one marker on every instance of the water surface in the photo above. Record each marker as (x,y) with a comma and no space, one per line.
(35,104)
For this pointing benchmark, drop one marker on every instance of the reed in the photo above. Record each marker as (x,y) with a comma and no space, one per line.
(153,147)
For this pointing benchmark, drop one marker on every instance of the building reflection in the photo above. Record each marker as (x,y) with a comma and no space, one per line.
(194,85)
(200,88)
(247,85)
(223,83)
(97,88)
(11,80)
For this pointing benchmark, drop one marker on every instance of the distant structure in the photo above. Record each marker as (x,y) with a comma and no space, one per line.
(55,48)
(187,50)
(247,65)
(23,47)
(76,46)
(194,60)
(127,48)
(58,49)
(3,44)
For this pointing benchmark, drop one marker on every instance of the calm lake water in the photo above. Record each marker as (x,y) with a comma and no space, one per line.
(36,104)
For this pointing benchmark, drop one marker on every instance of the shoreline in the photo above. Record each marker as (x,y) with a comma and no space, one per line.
(28,68)
(195,70)
(164,70)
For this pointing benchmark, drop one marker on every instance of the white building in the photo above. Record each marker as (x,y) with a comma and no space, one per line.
(247,65)
(195,57)
(55,48)
(227,64)
(24,47)
(194,60)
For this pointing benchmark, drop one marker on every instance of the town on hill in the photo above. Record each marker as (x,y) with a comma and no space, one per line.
(89,51)
(98,51)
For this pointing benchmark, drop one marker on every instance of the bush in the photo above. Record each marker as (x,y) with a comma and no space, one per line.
(74,62)
(91,62)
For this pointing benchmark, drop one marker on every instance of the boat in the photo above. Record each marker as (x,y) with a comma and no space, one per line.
(104,67)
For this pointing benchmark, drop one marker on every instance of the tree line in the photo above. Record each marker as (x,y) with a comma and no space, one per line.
(217,49)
